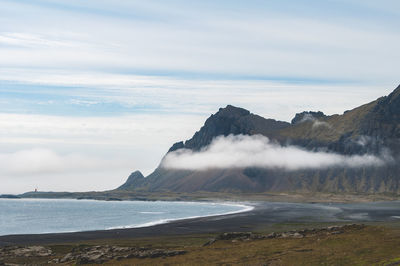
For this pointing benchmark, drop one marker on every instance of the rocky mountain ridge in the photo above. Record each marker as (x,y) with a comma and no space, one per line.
(231,120)
(371,129)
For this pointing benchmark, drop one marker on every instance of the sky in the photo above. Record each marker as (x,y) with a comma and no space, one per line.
(93,90)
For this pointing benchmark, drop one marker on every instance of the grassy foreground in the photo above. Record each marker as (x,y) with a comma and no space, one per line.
(369,245)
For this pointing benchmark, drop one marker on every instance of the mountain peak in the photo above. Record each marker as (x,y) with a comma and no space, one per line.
(132,180)
(397,91)
(232,111)
(394,98)
(387,109)
(230,120)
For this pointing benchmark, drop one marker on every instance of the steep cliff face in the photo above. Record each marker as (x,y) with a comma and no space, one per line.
(372,129)
(258,180)
(383,120)
(231,120)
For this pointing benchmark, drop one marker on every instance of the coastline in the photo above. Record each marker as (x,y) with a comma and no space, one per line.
(194,225)
(246,208)
(264,217)
(222,208)
(283,196)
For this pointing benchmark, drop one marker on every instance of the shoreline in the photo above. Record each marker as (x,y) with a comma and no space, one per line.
(203,196)
(264,217)
(245,207)
(175,227)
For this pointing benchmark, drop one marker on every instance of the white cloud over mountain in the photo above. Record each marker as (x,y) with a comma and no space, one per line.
(258,151)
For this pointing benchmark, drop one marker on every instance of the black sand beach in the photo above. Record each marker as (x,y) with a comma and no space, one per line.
(265,216)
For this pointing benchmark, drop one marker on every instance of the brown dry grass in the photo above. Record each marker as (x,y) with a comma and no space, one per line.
(335,127)
(369,246)
(372,245)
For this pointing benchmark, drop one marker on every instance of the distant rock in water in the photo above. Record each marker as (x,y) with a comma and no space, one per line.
(372,129)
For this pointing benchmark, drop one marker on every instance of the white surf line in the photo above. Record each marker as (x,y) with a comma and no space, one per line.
(246,208)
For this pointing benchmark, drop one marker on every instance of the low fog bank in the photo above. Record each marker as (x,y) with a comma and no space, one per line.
(48,170)
(241,151)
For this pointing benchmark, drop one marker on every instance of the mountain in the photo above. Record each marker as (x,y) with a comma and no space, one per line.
(372,129)
(231,120)
(133,180)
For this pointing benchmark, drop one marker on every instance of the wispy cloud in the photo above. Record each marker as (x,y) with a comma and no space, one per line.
(106,93)
(46,162)
(18,39)
(225,38)
(121,130)
(242,151)
(45,169)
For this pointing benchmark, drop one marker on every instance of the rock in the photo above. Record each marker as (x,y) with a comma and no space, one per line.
(67,257)
(285,235)
(307,116)
(212,241)
(121,257)
(331,228)
(297,235)
(336,232)
(53,261)
(120,249)
(177,146)
(32,251)
(101,254)
(93,258)
(234,235)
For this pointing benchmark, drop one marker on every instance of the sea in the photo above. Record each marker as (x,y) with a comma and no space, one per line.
(38,216)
